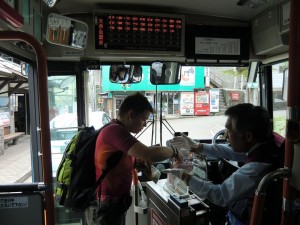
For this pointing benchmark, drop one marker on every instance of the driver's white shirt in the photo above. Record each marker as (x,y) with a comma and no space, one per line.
(240,185)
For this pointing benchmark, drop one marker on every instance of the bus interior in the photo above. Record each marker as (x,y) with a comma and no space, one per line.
(69,64)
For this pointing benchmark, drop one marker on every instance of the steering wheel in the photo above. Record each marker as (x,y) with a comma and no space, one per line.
(219,137)
(225,167)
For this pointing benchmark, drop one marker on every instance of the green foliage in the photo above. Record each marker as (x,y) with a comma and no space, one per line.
(237,72)
(280,124)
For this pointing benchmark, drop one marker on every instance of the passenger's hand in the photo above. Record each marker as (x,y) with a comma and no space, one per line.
(184,141)
(178,159)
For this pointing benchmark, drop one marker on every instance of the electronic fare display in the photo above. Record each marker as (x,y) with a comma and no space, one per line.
(138,32)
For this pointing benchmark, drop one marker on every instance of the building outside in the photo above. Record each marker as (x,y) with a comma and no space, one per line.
(169,96)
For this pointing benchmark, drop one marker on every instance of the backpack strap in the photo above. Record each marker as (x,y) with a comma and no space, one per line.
(111,162)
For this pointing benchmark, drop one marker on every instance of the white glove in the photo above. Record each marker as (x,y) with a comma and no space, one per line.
(176,172)
(184,141)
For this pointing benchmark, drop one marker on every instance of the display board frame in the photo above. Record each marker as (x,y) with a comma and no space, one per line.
(139,32)
(217,42)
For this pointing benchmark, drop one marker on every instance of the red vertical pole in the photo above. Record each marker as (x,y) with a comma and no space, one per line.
(257,209)
(293,99)
(44,115)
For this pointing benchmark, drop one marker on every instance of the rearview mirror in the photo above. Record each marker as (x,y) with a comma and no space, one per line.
(65,31)
(125,74)
(165,73)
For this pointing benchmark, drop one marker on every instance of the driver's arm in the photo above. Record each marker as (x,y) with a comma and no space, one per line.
(198,149)
(221,151)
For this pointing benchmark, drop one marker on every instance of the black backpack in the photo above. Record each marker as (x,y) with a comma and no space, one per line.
(76,177)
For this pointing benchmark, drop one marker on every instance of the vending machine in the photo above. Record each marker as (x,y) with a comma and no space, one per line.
(214,100)
(187,103)
(201,103)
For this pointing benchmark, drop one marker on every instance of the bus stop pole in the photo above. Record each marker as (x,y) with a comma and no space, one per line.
(44,115)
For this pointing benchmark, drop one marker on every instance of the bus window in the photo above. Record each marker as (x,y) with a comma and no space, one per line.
(14,123)
(279,78)
(62,115)
(197,104)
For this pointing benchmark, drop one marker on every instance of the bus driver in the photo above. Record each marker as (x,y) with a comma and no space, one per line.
(251,141)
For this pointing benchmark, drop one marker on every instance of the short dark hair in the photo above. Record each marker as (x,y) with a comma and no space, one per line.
(248,117)
(137,102)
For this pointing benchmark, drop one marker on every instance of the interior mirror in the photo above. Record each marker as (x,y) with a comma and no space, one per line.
(65,31)
(165,73)
(125,74)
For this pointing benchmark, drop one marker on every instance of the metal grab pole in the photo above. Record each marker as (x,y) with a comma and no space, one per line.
(136,193)
(257,209)
(260,194)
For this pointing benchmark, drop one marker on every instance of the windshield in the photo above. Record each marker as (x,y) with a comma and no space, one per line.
(196,105)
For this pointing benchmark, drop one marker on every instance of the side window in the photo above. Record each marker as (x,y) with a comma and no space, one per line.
(62,114)
(279,78)
(106,119)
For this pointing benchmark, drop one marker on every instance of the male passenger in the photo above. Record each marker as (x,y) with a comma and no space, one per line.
(251,141)
(115,196)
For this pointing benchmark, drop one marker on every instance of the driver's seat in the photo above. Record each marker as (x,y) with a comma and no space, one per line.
(272,207)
